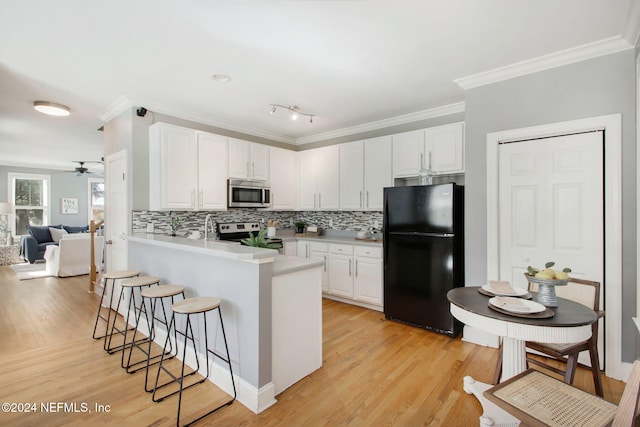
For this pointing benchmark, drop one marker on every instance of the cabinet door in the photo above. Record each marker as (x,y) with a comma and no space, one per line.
(328,173)
(259,162)
(445,145)
(408,153)
(303,249)
(307,196)
(341,275)
(282,178)
(377,171)
(290,248)
(179,167)
(352,176)
(322,256)
(367,282)
(239,158)
(212,171)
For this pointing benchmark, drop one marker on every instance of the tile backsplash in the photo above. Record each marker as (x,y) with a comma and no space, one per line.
(192,221)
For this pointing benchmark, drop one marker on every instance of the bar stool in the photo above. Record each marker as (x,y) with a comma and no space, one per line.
(113,276)
(189,307)
(133,284)
(152,295)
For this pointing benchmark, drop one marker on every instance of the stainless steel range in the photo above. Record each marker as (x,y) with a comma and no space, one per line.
(237,231)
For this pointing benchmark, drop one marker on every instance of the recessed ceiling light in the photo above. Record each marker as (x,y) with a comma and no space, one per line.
(222,78)
(51,108)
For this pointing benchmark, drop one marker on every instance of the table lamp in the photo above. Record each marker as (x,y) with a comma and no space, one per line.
(6,209)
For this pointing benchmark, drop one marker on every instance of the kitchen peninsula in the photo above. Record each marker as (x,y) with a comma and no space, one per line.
(271,307)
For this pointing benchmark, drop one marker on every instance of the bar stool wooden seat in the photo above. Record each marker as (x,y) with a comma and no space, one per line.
(188,308)
(151,296)
(113,276)
(132,284)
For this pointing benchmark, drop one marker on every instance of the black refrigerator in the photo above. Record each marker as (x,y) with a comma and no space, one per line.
(423,254)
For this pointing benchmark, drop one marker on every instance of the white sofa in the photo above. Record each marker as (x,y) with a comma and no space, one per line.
(72,256)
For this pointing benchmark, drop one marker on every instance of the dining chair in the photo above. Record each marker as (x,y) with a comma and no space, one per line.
(586,292)
(537,399)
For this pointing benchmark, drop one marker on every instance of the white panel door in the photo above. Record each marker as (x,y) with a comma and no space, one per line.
(117,214)
(551,207)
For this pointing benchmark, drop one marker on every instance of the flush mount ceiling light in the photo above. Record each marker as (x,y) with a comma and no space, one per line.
(293,110)
(222,78)
(51,108)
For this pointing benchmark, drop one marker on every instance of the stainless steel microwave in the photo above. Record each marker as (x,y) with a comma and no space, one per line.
(248,194)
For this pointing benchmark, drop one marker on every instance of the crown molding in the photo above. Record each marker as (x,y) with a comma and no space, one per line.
(631,31)
(116,108)
(546,62)
(445,110)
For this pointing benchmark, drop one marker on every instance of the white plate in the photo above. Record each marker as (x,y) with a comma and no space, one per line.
(523,305)
(517,292)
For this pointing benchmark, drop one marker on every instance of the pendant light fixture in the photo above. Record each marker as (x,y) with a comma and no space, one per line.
(293,110)
(51,108)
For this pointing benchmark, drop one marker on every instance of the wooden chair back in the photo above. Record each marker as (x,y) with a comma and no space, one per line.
(628,406)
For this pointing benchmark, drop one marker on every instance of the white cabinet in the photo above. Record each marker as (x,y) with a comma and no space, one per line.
(444,146)
(408,153)
(365,169)
(248,160)
(187,169)
(317,251)
(439,148)
(341,270)
(319,179)
(282,178)
(290,247)
(367,281)
(212,171)
(352,176)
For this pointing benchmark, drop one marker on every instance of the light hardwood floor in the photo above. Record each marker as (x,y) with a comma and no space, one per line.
(375,372)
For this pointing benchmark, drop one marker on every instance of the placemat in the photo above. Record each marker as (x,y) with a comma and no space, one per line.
(489,294)
(546,314)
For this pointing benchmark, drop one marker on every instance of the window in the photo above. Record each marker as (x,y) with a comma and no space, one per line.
(96,200)
(30,195)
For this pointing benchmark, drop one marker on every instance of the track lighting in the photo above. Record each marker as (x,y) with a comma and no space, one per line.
(294,111)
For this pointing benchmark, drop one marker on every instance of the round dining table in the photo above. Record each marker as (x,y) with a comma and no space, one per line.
(570,322)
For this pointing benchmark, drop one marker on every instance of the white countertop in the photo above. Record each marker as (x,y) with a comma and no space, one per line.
(288,235)
(210,247)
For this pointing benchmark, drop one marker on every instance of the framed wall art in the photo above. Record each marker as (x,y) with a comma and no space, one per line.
(69,206)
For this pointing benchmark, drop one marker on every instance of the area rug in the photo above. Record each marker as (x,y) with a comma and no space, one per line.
(30,271)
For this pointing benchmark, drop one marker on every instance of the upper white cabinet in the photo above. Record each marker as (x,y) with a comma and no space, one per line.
(352,175)
(282,178)
(187,169)
(439,148)
(248,160)
(377,171)
(365,169)
(319,179)
(444,146)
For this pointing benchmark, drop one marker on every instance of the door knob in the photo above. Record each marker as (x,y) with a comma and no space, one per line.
(109,242)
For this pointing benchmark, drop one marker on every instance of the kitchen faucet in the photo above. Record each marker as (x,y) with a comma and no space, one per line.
(206,227)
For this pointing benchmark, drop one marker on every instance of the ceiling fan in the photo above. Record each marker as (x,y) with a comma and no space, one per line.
(81,169)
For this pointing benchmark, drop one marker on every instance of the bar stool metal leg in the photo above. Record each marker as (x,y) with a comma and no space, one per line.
(132,284)
(113,276)
(188,307)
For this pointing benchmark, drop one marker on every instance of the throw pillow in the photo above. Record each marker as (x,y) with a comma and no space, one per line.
(76,229)
(57,233)
(41,232)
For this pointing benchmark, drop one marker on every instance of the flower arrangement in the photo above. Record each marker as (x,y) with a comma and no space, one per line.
(175,225)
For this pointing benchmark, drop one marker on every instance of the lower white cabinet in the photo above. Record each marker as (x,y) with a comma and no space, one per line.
(341,270)
(290,247)
(367,280)
(351,273)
